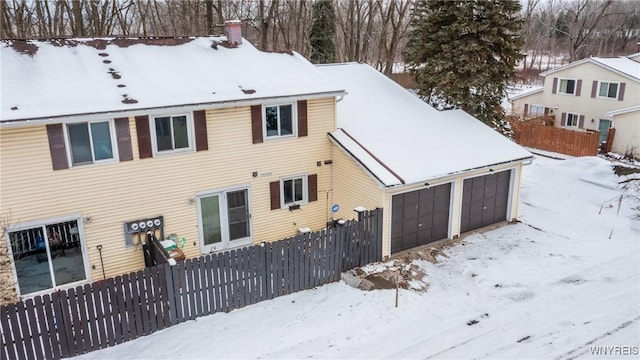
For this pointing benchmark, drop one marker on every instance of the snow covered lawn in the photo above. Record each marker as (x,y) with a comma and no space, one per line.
(552,286)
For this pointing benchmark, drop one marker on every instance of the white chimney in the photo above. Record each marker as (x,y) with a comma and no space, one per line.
(234,31)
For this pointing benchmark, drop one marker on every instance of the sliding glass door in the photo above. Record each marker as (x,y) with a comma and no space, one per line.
(224,219)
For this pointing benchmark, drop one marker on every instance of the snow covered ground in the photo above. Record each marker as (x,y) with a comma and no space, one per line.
(554,286)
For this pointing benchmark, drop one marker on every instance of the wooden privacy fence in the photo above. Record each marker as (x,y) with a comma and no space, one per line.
(71,322)
(549,138)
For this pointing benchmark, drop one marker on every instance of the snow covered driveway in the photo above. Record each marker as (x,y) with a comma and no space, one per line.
(553,286)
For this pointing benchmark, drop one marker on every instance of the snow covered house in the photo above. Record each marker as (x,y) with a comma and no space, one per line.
(591,94)
(218,145)
(436,174)
(206,138)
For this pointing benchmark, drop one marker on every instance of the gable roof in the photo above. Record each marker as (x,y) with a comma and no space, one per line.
(527,93)
(50,78)
(621,65)
(623,111)
(400,139)
(634,57)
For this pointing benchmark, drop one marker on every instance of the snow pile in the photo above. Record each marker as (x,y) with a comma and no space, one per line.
(563,283)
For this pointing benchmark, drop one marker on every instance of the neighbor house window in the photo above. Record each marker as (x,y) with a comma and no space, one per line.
(573,119)
(536,110)
(90,142)
(172,133)
(293,190)
(278,120)
(567,86)
(48,255)
(608,90)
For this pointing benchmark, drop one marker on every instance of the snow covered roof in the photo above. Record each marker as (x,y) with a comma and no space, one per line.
(621,65)
(527,93)
(623,111)
(400,139)
(49,78)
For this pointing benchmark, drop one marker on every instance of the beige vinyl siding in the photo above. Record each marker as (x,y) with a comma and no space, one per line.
(627,137)
(517,105)
(114,193)
(591,108)
(353,186)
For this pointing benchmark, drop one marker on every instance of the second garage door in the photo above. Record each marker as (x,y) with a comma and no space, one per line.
(484,200)
(419,217)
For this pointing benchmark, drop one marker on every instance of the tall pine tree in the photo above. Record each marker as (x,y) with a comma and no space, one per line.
(463,52)
(322,34)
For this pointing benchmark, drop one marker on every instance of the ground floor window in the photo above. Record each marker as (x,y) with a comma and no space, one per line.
(536,111)
(572,119)
(48,255)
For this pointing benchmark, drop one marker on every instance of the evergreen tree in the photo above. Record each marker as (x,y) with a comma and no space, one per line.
(323,29)
(463,52)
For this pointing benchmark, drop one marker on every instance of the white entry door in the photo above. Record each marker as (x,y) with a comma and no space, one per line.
(224,219)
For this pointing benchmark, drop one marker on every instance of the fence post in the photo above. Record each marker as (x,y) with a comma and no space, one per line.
(360,239)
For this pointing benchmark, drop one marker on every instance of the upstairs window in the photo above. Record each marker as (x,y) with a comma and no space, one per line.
(278,121)
(567,86)
(171,133)
(608,90)
(90,142)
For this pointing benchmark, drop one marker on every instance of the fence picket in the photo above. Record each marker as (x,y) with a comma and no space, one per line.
(63,320)
(208,278)
(240,282)
(158,301)
(26,333)
(83,321)
(91,329)
(217,287)
(75,321)
(45,333)
(120,311)
(31,330)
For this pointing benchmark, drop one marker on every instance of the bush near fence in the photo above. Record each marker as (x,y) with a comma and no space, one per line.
(71,322)
(549,138)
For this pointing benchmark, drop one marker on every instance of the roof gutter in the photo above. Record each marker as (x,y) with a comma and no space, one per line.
(146,111)
(436,178)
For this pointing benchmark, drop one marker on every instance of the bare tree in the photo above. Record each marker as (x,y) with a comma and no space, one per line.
(394,19)
(7,282)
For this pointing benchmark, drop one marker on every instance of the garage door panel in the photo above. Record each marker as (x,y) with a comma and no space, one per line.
(486,204)
(426,195)
(420,217)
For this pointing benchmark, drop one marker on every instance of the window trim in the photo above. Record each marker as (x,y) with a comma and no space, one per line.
(575,86)
(305,190)
(44,222)
(294,121)
(154,137)
(600,82)
(537,106)
(577,125)
(225,242)
(112,134)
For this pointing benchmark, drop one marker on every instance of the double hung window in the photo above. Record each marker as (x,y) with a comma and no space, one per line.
(573,119)
(172,133)
(90,142)
(567,86)
(608,90)
(279,121)
(293,190)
